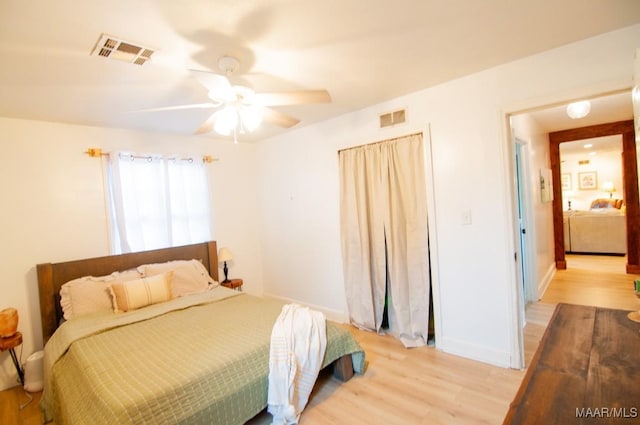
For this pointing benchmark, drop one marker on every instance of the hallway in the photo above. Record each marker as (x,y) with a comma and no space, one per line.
(597,280)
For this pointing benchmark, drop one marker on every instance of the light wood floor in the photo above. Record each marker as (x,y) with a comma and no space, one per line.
(423,385)
(594,280)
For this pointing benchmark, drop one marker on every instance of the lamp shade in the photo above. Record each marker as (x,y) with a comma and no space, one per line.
(8,322)
(224,255)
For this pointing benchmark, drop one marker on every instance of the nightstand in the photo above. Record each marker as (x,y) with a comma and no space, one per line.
(10,343)
(233,284)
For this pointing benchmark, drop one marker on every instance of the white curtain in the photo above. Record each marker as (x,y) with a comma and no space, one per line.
(384,237)
(157,202)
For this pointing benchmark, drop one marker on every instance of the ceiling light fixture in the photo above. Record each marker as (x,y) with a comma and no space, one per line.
(578,110)
(237,118)
(240,114)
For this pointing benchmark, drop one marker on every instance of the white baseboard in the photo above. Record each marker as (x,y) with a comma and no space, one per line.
(546,280)
(451,346)
(330,314)
(475,352)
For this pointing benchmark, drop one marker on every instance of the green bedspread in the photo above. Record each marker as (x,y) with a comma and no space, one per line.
(201,359)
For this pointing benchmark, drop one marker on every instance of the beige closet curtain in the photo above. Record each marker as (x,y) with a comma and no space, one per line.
(383,204)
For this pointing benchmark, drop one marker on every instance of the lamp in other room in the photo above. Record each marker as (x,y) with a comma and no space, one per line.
(225,255)
(609,188)
(568,194)
(8,322)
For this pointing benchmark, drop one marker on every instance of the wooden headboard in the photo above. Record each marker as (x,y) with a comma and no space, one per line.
(51,276)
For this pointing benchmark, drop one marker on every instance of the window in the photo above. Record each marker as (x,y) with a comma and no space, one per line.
(157,202)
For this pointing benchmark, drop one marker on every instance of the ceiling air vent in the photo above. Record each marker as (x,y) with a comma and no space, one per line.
(114,48)
(393,118)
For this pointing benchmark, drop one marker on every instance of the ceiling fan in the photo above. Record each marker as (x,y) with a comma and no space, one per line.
(240,108)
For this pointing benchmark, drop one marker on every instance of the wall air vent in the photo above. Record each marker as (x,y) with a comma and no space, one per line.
(114,48)
(393,118)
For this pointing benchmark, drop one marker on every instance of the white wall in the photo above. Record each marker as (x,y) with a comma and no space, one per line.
(299,176)
(53,207)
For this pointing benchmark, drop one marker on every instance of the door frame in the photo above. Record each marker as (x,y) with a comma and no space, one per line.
(516,343)
(527,241)
(630,183)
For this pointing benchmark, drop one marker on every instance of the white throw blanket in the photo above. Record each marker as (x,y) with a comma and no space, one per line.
(298,342)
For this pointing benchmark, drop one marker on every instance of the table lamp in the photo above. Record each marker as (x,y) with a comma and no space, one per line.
(568,194)
(609,188)
(225,255)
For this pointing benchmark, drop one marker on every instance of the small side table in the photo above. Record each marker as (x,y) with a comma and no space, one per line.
(233,284)
(10,343)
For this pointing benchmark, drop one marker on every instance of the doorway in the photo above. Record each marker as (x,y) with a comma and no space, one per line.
(535,125)
(594,221)
(630,186)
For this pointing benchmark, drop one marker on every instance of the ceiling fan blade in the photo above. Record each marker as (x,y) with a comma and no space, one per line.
(206,105)
(293,98)
(218,85)
(207,126)
(278,118)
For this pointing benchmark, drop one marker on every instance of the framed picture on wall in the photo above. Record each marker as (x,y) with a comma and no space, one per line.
(546,185)
(565,180)
(588,180)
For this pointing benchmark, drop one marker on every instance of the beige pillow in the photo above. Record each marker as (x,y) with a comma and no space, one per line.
(141,292)
(90,294)
(189,276)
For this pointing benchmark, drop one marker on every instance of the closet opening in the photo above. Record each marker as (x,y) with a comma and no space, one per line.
(385,241)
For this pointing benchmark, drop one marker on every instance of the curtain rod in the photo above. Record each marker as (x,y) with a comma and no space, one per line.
(97,152)
(381,141)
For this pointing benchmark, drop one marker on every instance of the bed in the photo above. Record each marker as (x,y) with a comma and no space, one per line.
(198,358)
(600,230)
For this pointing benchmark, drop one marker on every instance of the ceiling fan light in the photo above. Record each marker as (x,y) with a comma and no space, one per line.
(226,121)
(221,128)
(251,117)
(580,109)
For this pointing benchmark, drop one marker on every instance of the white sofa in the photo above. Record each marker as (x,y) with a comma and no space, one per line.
(598,231)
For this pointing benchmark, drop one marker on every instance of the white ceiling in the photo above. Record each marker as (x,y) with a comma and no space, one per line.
(362,51)
(604,109)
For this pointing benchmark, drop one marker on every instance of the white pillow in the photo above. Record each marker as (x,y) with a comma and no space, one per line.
(189,276)
(90,294)
(139,293)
